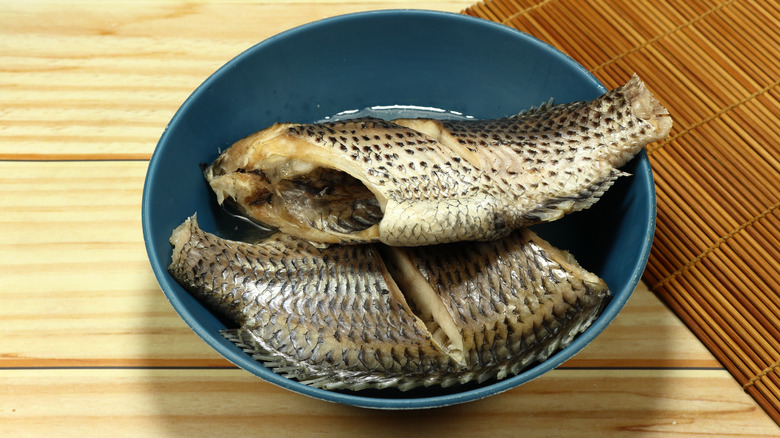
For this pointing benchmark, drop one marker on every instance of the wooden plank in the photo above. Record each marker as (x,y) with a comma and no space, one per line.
(79,291)
(130,403)
(102,83)
(90,346)
(76,282)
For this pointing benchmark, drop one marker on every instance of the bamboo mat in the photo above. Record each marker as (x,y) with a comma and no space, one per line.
(716,66)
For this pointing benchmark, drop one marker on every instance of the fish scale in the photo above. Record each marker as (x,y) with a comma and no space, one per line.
(341,317)
(428,181)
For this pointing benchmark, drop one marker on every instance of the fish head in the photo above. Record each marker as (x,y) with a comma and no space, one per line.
(292,185)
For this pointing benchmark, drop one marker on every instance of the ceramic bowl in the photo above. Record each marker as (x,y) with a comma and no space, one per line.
(398,60)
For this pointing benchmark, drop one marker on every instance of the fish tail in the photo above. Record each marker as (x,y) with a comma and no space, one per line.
(646,112)
(645,106)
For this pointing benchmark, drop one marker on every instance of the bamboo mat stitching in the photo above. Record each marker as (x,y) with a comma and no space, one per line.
(760,375)
(658,37)
(524,11)
(715,246)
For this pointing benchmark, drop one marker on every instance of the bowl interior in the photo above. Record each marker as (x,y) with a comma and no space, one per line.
(420,58)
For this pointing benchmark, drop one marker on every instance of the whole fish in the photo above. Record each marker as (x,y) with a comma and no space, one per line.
(412,182)
(371,316)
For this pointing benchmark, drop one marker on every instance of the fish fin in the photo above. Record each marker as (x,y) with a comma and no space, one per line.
(246,342)
(536,109)
(318,377)
(277,362)
(555,208)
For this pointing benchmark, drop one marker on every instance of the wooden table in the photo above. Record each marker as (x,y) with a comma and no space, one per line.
(89,346)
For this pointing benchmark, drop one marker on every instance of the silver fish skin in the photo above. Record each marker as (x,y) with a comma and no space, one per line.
(332,318)
(414,182)
(514,301)
(370,316)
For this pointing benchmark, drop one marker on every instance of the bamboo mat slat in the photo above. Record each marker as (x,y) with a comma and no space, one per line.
(715,65)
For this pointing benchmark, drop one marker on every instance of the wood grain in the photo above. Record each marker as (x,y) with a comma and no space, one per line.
(102,82)
(199,402)
(74,257)
(89,346)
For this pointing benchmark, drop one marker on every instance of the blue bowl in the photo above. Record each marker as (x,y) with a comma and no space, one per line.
(411,58)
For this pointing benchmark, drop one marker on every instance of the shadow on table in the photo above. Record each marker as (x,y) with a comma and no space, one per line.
(576,398)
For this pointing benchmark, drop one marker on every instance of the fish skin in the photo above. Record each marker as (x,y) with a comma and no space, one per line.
(414,182)
(510,296)
(331,317)
(336,318)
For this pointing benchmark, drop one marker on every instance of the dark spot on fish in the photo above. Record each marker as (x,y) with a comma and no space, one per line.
(260,198)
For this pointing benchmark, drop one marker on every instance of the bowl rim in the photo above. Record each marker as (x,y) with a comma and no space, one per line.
(246,363)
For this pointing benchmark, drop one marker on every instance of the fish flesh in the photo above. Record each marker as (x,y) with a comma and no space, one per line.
(412,182)
(373,316)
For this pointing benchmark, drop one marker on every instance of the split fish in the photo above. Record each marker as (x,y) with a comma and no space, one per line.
(411,182)
(372,316)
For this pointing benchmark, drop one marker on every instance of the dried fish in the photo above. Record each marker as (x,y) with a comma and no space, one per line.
(372,316)
(413,182)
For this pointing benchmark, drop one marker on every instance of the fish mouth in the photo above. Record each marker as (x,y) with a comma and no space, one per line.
(330,204)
